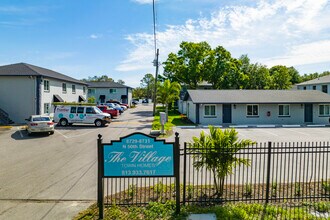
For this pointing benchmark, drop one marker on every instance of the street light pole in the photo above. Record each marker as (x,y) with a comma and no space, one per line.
(155,86)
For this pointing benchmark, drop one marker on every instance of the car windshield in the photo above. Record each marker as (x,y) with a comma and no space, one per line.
(41,119)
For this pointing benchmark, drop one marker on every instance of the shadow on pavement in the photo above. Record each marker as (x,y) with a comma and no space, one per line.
(78,127)
(23,135)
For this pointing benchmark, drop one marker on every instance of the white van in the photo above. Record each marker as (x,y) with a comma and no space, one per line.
(68,114)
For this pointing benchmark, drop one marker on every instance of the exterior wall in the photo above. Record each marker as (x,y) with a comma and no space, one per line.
(129,96)
(108,96)
(318,87)
(182,106)
(317,119)
(210,120)
(55,88)
(18,97)
(239,117)
(191,111)
(296,115)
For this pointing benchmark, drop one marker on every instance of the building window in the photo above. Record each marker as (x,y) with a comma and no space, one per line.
(325,88)
(284,110)
(304,87)
(314,87)
(46,108)
(324,110)
(64,87)
(91,91)
(73,88)
(209,111)
(84,90)
(113,91)
(252,110)
(46,85)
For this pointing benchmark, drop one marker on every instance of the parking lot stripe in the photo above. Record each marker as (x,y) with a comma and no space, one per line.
(297,131)
(61,134)
(268,132)
(19,130)
(78,135)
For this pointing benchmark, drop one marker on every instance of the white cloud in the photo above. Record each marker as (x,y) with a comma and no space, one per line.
(95,36)
(303,54)
(281,30)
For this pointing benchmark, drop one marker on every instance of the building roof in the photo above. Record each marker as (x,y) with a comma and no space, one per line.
(107,84)
(319,80)
(257,96)
(24,69)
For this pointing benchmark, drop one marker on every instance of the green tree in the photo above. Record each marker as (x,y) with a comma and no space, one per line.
(148,82)
(294,74)
(217,152)
(187,66)
(218,65)
(167,93)
(122,82)
(91,99)
(258,77)
(103,78)
(139,93)
(280,77)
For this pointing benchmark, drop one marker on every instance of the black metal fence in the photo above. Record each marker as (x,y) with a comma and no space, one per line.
(277,173)
(282,173)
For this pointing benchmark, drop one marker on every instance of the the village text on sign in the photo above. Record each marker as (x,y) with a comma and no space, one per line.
(138,155)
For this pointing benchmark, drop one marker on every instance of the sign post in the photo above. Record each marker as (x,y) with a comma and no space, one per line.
(137,155)
(162,116)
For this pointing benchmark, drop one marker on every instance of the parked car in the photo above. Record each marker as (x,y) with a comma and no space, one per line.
(68,114)
(113,105)
(113,112)
(119,103)
(135,101)
(145,101)
(39,123)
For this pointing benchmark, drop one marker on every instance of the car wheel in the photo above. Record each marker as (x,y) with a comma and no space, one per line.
(52,132)
(29,132)
(111,116)
(63,122)
(98,123)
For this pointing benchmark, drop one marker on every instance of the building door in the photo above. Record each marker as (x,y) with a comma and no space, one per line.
(308,113)
(226,113)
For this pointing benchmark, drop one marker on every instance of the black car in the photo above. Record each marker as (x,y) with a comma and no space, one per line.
(145,101)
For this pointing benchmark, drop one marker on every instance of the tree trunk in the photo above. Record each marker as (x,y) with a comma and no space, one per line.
(215,182)
(166,111)
(222,183)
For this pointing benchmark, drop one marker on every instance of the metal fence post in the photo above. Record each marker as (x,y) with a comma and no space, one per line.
(100,171)
(177,172)
(268,170)
(184,173)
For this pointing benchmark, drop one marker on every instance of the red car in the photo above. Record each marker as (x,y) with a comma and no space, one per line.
(107,109)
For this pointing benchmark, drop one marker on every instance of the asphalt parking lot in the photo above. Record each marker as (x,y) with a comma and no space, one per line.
(302,134)
(54,177)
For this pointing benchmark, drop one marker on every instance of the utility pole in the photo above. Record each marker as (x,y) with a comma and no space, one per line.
(156,58)
(155,88)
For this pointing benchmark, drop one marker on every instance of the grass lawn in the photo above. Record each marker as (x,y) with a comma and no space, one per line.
(238,211)
(175,118)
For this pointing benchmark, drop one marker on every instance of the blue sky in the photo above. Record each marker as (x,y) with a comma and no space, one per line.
(84,38)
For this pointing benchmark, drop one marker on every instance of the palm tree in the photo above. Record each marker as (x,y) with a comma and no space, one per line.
(168,92)
(217,152)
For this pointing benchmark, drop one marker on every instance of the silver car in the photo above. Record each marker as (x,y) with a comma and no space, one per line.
(39,123)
